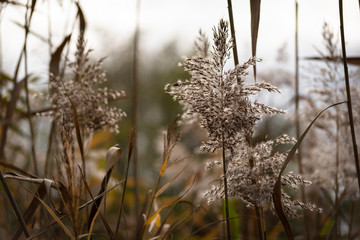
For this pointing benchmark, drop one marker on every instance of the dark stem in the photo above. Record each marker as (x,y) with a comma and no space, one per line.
(122,198)
(232,29)
(347,83)
(352,205)
(48,151)
(259,222)
(337,202)
(227,215)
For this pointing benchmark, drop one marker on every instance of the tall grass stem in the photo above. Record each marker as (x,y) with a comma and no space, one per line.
(227,215)
(132,141)
(135,103)
(297,116)
(28,108)
(347,83)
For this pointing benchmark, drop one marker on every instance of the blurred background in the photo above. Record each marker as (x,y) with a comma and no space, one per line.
(166,33)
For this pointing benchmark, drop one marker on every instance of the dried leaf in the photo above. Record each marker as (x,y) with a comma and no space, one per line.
(82,21)
(112,156)
(15,168)
(255,19)
(152,217)
(56,56)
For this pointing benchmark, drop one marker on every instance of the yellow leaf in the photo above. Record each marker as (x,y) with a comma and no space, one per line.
(163,168)
(156,214)
(158,221)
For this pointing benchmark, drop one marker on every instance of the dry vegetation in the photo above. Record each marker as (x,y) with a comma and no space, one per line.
(60,179)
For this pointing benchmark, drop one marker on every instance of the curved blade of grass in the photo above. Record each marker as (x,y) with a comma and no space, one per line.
(277,188)
(47,181)
(15,168)
(255,20)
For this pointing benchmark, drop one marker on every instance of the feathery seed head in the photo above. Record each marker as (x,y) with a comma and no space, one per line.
(219,98)
(90,101)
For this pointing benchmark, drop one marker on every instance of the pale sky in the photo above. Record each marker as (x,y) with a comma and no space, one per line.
(111,23)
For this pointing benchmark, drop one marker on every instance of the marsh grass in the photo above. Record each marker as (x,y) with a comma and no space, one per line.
(70,194)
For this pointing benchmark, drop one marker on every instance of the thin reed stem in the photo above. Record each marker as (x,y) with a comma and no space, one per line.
(48,151)
(347,83)
(227,215)
(156,187)
(259,223)
(232,29)
(263,223)
(28,109)
(337,202)
(297,117)
(132,141)
(135,103)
